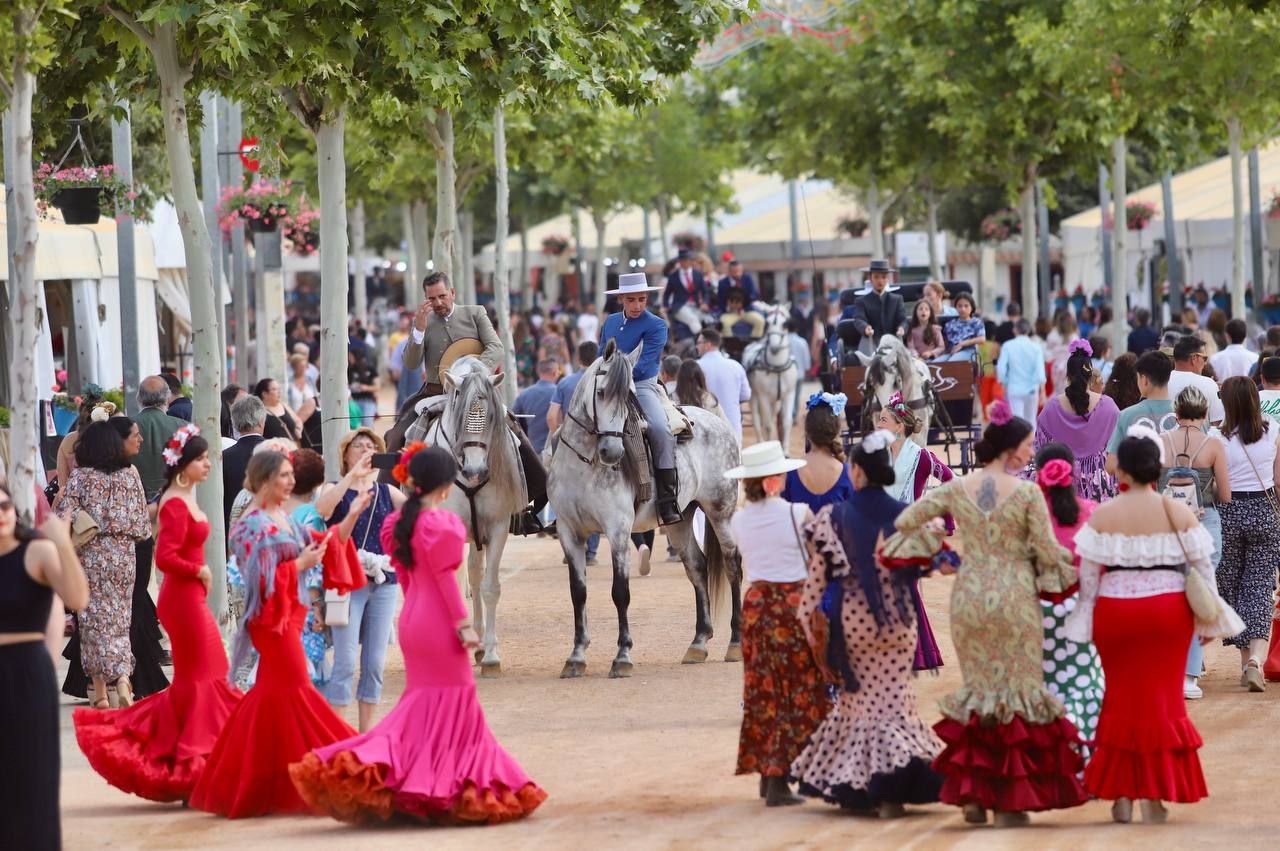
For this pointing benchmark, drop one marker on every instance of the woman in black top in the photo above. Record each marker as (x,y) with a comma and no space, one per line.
(31,570)
(281,420)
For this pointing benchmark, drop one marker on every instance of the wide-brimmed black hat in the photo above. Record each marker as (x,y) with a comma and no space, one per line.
(880,266)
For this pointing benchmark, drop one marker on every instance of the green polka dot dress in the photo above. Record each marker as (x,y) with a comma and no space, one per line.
(1072,671)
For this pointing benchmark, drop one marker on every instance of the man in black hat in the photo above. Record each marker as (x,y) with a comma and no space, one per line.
(879,310)
(685,285)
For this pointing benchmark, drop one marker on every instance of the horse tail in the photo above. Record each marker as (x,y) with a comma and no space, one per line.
(718,568)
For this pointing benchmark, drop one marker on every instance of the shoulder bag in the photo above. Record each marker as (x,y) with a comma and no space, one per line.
(1200,597)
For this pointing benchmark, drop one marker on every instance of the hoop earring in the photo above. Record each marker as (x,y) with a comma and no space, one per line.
(182,481)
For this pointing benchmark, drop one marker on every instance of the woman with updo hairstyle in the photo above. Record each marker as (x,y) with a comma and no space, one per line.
(1071,671)
(433,756)
(872,751)
(157,748)
(783,694)
(1136,552)
(1083,420)
(823,479)
(1008,745)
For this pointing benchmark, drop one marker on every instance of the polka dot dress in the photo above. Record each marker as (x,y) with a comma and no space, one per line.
(1071,671)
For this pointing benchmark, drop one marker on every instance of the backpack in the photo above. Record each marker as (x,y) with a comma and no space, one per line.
(1182,481)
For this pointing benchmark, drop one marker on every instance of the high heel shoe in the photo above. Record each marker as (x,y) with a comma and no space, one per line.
(1153,812)
(892,809)
(975,814)
(124,692)
(1251,677)
(1122,811)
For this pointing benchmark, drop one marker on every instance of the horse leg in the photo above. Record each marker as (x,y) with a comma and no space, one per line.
(575,550)
(695,567)
(733,562)
(475,571)
(620,546)
(491,590)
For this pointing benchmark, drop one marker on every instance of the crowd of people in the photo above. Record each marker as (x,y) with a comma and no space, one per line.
(1124,513)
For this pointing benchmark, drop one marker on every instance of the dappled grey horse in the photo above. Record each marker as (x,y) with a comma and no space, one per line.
(490,487)
(592,485)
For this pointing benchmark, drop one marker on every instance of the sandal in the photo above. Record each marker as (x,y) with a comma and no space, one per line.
(102,703)
(1251,678)
(124,692)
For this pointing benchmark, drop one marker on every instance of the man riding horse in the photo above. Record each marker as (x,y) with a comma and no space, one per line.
(634,326)
(442,332)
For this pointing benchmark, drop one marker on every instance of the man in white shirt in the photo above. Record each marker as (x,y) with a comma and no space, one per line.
(1235,359)
(1188,366)
(1269,396)
(726,379)
(588,325)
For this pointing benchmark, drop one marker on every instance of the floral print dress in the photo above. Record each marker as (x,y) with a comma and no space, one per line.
(117,501)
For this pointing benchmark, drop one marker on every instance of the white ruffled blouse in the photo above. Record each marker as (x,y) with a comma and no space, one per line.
(1097,550)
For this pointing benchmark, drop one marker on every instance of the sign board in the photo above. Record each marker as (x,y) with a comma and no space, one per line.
(911,248)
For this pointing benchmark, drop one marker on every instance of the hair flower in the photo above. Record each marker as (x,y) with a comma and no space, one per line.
(1054,474)
(835,401)
(898,405)
(172,451)
(1079,345)
(401,471)
(878,441)
(1146,432)
(1000,413)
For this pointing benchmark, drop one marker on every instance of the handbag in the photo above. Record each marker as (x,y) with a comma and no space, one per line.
(337,608)
(1203,601)
(84,528)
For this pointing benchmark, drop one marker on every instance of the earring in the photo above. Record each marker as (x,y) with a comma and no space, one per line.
(182,481)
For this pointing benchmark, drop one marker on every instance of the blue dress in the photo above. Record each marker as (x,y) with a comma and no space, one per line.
(795,491)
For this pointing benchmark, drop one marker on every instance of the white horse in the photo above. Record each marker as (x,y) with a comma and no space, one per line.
(488,490)
(773,374)
(894,369)
(591,481)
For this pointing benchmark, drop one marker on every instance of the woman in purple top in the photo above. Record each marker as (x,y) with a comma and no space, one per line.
(1084,421)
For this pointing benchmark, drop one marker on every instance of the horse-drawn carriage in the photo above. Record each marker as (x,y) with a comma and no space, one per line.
(944,393)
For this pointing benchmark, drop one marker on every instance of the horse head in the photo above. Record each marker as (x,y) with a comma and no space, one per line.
(889,369)
(775,327)
(600,402)
(474,418)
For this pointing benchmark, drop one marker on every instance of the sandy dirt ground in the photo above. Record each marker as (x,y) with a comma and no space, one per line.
(648,762)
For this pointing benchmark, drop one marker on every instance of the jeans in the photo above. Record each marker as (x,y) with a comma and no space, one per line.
(659,433)
(966,354)
(1212,523)
(373,609)
(1025,406)
(368,410)
(593,545)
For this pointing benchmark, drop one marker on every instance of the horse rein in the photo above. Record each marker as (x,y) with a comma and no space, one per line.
(592,430)
(474,418)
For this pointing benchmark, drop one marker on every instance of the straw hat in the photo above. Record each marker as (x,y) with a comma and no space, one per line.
(764,459)
(633,283)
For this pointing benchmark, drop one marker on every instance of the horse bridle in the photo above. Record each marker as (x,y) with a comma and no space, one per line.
(469,491)
(592,430)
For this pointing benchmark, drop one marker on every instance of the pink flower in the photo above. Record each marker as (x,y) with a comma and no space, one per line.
(1054,474)
(1000,413)
(1080,344)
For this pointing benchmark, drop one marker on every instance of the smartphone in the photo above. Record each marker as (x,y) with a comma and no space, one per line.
(385,460)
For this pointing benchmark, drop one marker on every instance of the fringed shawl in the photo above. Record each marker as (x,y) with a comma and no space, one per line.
(260,545)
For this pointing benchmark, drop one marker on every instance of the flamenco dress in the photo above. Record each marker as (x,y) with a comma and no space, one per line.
(157,748)
(282,716)
(1008,745)
(1133,604)
(433,756)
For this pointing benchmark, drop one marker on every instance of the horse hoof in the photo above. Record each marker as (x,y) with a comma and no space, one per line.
(573,670)
(478,654)
(621,668)
(733,653)
(490,670)
(694,656)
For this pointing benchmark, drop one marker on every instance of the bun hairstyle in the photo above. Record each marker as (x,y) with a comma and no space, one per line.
(1000,436)
(822,428)
(872,456)
(193,449)
(1064,505)
(430,469)
(1139,458)
(1079,374)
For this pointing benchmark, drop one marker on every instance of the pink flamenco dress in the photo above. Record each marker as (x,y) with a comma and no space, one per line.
(157,748)
(282,716)
(432,757)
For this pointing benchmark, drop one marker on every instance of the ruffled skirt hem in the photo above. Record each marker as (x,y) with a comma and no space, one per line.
(1011,767)
(351,791)
(1156,761)
(913,783)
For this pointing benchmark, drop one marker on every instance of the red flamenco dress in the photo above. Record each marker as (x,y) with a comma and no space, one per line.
(433,757)
(157,748)
(282,716)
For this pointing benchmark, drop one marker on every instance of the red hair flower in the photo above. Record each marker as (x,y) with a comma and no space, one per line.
(1054,474)
(401,471)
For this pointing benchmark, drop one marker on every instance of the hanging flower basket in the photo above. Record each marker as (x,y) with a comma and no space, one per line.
(262,207)
(83,194)
(1001,225)
(301,229)
(554,245)
(1138,214)
(853,226)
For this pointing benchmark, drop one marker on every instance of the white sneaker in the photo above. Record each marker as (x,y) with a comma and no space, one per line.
(1191,689)
(645,554)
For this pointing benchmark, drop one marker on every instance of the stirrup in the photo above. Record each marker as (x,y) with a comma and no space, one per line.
(526,523)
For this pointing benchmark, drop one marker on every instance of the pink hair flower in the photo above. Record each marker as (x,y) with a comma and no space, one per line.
(1080,344)
(1000,413)
(1054,474)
